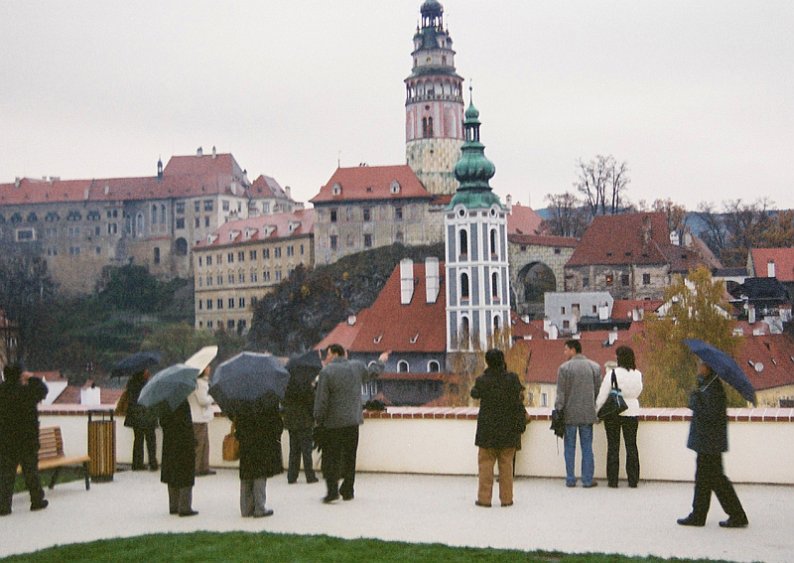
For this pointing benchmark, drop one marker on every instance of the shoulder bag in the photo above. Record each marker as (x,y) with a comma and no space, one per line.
(615,403)
(231,446)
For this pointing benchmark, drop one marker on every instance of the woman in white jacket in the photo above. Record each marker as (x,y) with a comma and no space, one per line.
(629,380)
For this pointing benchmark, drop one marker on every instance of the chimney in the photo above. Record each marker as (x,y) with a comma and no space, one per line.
(406,280)
(646,230)
(200,151)
(214,152)
(433,282)
(751,314)
(603,312)
(613,336)
(675,240)
(17,181)
(770,269)
(509,201)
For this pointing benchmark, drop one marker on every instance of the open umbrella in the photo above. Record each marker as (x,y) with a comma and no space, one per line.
(170,386)
(136,362)
(309,361)
(246,378)
(201,359)
(724,366)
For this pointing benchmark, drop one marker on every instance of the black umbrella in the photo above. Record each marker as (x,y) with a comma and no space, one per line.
(724,366)
(246,378)
(309,361)
(136,362)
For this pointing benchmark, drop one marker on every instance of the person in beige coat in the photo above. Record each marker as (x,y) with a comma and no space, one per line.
(202,413)
(629,381)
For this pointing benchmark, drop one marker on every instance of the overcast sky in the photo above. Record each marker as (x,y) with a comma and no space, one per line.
(697,97)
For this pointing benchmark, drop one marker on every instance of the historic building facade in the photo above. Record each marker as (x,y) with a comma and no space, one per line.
(475,223)
(242,261)
(433,104)
(80,227)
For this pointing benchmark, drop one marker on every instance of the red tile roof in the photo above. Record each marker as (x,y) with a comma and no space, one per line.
(416,327)
(774,353)
(343,334)
(261,228)
(71,395)
(545,356)
(520,329)
(372,183)
(523,220)
(783,259)
(622,308)
(265,186)
(618,239)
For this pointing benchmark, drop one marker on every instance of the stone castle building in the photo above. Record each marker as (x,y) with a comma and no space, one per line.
(80,227)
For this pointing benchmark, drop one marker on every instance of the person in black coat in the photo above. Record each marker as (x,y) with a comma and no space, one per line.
(19,437)
(258,429)
(179,459)
(708,436)
(142,422)
(500,422)
(299,420)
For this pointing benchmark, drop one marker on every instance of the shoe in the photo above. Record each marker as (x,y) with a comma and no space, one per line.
(174,512)
(506,504)
(41,505)
(312,480)
(612,485)
(292,482)
(478,503)
(570,485)
(153,467)
(733,522)
(5,512)
(632,485)
(138,468)
(327,499)
(205,473)
(189,513)
(591,485)
(268,512)
(691,521)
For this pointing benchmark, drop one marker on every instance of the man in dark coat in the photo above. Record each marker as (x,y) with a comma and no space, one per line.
(19,437)
(337,409)
(178,468)
(708,436)
(258,429)
(143,423)
(299,419)
(500,423)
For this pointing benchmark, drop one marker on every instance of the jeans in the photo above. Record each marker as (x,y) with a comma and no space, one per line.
(613,427)
(586,442)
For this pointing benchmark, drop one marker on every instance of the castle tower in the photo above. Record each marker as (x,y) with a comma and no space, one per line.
(433,104)
(475,225)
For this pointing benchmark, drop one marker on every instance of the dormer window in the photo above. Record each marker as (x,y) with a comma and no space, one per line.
(336,189)
(394,188)
(377,339)
(414,338)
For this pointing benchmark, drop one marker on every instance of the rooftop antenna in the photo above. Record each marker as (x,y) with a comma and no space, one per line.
(339,159)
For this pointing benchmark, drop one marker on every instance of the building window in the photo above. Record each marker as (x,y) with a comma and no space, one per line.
(278,275)
(398,213)
(266,275)
(156,255)
(290,250)
(495,285)
(367,241)
(219,279)
(585,281)
(493,242)
(254,277)
(333,216)
(646,279)
(230,258)
(334,242)
(463,236)
(241,302)
(197,206)
(231,303)
(366,214)
(225,205)
(220,303)
(230,324)
(464,286)
(266,254)
(209,324)
(624,280)
(252,254)
(180,222)
(207,221)
(241,277)
(230,277)
(608,279)
(277,252)
(301,250)
(241,256)
(209,281)
(402,366)
(433,366)
(207,205)
(180,207)
(209,304)
(209,260)
(201,303)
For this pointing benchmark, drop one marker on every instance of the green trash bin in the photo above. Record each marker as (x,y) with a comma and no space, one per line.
(101,445)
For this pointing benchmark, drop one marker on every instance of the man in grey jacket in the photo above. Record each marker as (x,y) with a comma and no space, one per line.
(337,410)
(578,380)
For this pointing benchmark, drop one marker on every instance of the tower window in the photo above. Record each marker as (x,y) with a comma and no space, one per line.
(427,127)
(464,286)
(493,242)
(464,242)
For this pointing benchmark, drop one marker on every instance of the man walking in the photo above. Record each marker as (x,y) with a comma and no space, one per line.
(578,381)
(337,410)
(19,437)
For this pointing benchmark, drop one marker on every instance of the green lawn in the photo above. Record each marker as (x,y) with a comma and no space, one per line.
(241,546)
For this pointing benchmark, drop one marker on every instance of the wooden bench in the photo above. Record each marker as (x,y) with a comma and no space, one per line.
(51,455)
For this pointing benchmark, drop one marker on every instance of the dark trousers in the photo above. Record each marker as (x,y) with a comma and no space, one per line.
(710,477)
(9,461)
(613,427)
(139,435)
(339,460)
(300,446)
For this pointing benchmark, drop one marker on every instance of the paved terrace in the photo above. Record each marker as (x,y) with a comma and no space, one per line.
(420,508)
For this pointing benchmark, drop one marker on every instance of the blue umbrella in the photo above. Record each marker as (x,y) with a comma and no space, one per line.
(724,366)
(170,386)
(136,362)
(246,378)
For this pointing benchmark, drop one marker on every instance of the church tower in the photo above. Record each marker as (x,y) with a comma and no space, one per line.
(475,225)
(434,104)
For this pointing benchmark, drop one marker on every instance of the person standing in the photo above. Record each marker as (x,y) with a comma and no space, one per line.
(629,380)
(578,380)
(143,423)
(19,437)
(179,459)
(708,436)
(201,413)
(337,409)
(299,420)
(500,422)
(258,429)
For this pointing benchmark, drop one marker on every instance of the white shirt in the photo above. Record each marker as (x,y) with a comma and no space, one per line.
(630,383)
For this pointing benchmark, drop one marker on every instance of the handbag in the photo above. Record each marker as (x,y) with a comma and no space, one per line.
(231,446)
(615,403)
(558,423)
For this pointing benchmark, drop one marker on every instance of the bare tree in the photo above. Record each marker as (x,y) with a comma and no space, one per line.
(567,216)
(602,182)
(676,214)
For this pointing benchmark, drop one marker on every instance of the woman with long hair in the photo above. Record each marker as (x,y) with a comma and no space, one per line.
(629,380)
